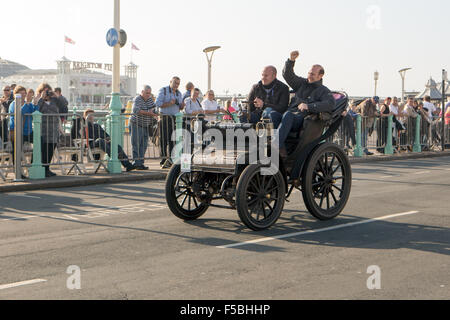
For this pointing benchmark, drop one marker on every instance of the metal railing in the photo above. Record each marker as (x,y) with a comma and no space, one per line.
(68,143)
(386,135)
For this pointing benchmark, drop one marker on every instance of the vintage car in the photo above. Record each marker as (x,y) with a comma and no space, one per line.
(220,166)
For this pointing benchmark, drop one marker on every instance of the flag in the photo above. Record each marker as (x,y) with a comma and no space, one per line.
(68,40)
(133,47)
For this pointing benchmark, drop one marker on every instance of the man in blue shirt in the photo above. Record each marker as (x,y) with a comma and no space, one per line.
(168,104)
(28,108)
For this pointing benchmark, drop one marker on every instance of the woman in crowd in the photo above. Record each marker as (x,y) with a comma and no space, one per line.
(193,105)
(229,108)
(49,106)
(210,106)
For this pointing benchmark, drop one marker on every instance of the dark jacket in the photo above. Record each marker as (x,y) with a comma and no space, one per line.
(318,97)
(95,132)
(277,98)
(63,105)
(50,120)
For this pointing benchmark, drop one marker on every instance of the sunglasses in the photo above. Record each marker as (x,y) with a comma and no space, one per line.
(7,90)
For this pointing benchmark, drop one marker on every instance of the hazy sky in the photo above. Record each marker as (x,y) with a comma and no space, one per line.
(350,38)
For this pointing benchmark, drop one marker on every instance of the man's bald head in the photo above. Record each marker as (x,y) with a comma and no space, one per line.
(269,75)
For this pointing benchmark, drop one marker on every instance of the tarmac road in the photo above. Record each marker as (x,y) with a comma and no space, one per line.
(127,245)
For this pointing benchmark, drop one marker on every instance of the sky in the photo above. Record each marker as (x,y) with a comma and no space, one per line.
(351,38)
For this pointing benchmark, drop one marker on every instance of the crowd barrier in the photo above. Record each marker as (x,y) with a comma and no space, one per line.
(72,145)
(389,135)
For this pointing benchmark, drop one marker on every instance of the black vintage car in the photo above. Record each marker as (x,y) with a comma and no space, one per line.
(227,169)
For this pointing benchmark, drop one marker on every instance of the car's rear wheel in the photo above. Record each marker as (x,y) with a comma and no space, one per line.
(327,181)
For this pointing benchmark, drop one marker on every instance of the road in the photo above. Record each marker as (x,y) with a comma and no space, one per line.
(126,245)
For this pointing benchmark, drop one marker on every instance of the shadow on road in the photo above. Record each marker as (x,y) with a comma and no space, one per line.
(75,204)
(382,235)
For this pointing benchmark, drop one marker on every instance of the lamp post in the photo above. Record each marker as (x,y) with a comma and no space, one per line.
(114,165)
(403,75)
(444,81)
(209,58)
(376,77)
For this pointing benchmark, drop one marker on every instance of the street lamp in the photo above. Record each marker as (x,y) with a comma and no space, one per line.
(444,81)
(403,75)
(376,77)
(209,58)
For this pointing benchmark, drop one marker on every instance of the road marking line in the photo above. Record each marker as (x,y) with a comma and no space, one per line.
(26,196)
(342,226)
(422,172)
(20,284)
(18,218)
(95,213)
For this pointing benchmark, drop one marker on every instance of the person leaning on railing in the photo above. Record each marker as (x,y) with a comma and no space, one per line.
(368,111)
(141,123)
(49,106)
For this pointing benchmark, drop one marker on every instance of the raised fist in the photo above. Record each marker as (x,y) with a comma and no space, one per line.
(294,55)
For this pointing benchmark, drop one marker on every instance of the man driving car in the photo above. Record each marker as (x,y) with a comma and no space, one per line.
(311,97)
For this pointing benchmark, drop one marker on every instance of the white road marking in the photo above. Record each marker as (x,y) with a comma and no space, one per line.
(20,284)
(342,226)
(70,217)
(95,213)
(25,196)
(422,172)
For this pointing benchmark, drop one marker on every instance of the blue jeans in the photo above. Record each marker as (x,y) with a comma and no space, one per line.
(291,122)
(268,113)
(276,118)
(364,137)
(139,142)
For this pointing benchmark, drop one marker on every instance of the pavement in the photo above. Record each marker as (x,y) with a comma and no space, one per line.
(119,241)
(155,173)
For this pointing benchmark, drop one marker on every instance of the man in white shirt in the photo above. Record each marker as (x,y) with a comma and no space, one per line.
(429,106)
